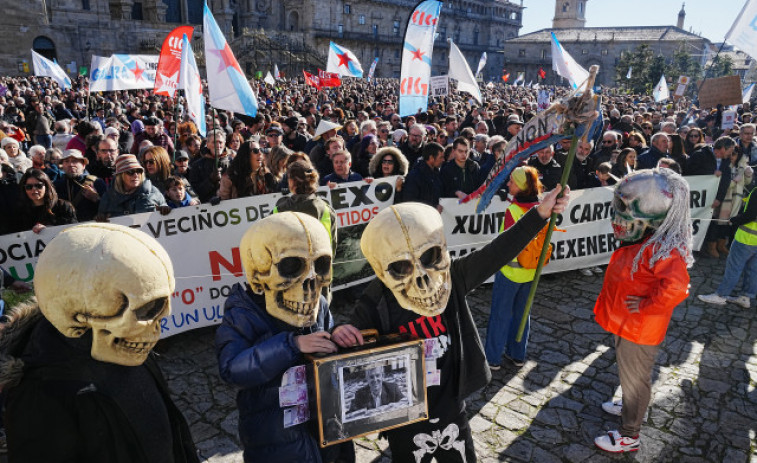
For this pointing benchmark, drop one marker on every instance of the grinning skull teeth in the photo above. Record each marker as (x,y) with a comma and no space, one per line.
(301,308)
(139,348)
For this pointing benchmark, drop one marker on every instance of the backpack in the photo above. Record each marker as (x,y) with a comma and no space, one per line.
(529,256)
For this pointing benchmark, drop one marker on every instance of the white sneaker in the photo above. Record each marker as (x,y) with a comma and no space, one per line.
(597,270)
(742,301)
(613,408)
(586,272)
(713,298)
(615,443)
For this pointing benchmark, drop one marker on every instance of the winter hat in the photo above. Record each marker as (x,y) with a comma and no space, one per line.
(519,178)
(7,141)
(127,162)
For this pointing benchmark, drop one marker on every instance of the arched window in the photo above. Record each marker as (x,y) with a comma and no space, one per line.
(565,7)
(294,21)
(45,47)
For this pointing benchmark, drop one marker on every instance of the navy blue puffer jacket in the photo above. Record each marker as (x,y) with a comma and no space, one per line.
(254,350)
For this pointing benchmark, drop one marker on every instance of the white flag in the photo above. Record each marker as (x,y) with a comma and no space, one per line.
(564,65)
(343,62)
(481,63)
(661,92)
(747,95)
(43,67)
(269,79)
(743,33)
(190,81)
(628,76)
(459,69)
(276,73)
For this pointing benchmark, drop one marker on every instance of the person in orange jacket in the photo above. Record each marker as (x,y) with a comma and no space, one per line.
(646,279)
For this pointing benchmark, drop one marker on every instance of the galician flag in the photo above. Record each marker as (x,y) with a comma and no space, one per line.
(564,65)
(227,85)
(481,63)
(276,73)
(459,69)
(630,69)
(190,81)
(43,67)
(343,62)
(746,95)
(743,33)
(520,79)
(661,92)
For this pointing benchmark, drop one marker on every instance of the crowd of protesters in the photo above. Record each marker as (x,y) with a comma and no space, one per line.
(135,152)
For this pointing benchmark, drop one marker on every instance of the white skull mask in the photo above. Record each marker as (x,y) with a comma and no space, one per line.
(406,247)
(111,279)
(288,256)
(641,202)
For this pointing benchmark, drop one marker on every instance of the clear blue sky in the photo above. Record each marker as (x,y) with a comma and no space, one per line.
(709,18)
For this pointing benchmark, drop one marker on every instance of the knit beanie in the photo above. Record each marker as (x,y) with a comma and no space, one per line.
(127,162)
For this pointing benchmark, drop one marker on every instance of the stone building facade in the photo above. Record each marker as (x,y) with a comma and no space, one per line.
(294,34)
(595,45)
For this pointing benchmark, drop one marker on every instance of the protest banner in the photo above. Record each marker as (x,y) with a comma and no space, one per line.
(439,86)
(683,82)
(202,241)
(123,72)
(723,90)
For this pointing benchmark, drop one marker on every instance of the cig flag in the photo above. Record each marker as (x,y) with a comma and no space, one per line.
(189,80)
(481,63)
(661,92)
(417,50)
(43,67)
(743,32)
(458,69)
(564,65)
(227,85)
(343,62)
(167,75)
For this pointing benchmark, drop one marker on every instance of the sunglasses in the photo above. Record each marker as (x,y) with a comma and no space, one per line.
(255,150)
(133,172)
(387,161)
(148,162)
(34,186)
(607,142)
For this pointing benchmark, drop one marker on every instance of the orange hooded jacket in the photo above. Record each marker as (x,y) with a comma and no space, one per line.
(663,287)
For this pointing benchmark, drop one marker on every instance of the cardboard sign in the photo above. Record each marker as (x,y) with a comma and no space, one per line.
(723,90)
(439,86)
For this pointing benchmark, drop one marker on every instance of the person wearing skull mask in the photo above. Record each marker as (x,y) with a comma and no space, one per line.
(268,325)
(421,291)
(78,379)
(646,279)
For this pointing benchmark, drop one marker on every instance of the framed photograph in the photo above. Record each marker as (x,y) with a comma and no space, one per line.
(380,386)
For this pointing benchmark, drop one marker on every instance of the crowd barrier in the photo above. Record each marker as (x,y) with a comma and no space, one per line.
(203,240)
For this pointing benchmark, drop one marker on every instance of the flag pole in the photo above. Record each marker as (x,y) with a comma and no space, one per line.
(89,93)
(553,217)
(175,122)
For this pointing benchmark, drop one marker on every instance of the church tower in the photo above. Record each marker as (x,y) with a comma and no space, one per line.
(681,16)
(569,14)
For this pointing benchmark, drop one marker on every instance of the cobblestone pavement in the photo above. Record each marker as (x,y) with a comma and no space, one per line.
(704,405)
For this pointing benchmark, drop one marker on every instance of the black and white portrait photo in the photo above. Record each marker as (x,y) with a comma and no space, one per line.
(375,388)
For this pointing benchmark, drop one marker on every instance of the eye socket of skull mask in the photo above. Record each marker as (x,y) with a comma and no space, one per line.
(322,265)
(151,310)
(291,267)
(400,269)
(431,256)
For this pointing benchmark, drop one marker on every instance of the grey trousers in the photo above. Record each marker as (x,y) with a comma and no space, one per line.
(635,363)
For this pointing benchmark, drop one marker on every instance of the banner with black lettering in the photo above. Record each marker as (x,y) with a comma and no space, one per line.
(203,240)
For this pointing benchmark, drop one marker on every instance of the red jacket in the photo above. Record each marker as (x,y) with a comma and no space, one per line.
(662,287)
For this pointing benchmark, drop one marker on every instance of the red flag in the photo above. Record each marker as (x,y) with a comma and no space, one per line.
(167,75)
(542,73)
(329,79)
(505,76)
(312,80)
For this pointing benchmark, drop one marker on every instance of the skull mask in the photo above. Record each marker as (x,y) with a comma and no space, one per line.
(641,202)
(111,279)
(406,247)
(288,256)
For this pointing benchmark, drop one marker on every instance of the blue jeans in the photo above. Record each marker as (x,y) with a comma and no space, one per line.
(508,302)
(44,140)
(742,258)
